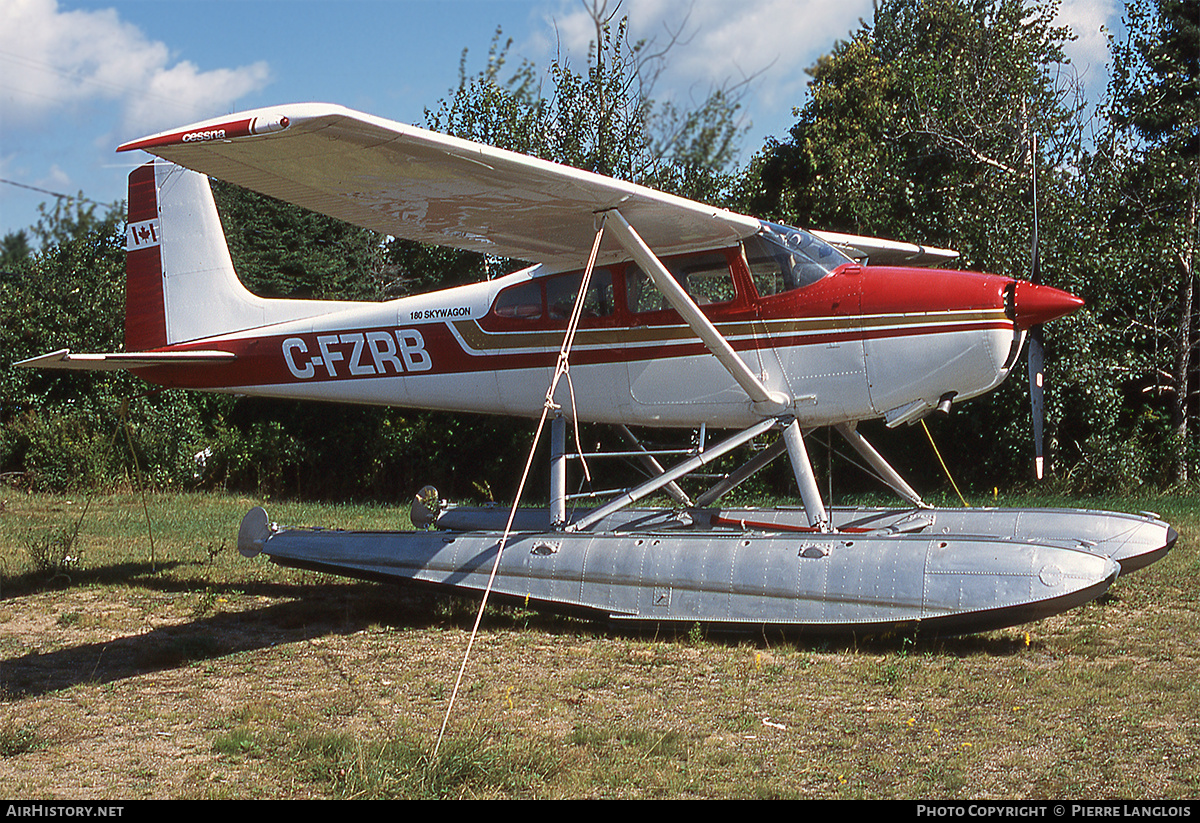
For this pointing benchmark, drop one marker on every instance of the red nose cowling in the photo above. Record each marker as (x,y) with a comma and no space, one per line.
(1034,304)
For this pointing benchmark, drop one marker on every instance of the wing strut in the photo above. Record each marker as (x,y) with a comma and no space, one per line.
(766,402)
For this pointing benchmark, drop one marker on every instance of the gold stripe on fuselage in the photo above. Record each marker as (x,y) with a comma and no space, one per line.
(477,340)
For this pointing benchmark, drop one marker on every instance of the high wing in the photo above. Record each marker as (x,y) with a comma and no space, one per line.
(881,252)
(421,185)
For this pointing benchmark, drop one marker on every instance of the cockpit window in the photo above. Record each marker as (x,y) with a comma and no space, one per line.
(705,277)
(523,301)
(781,258)
(561,293)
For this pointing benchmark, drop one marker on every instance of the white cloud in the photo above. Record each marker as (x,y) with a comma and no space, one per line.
(57,178)
(206,93)
(1090,21)
(53,61)
(724,42)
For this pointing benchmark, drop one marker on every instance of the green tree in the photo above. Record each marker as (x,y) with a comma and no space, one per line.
(1152,152)
(918,127)
(72,218)
(283,250)
(57,428)
(14,248)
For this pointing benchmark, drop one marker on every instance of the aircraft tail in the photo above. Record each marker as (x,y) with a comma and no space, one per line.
(179,280)
(180,284)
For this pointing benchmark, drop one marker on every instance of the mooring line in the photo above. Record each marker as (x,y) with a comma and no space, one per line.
(561,368)
(944,467)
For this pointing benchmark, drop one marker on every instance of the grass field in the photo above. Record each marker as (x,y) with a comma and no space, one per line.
(179,669)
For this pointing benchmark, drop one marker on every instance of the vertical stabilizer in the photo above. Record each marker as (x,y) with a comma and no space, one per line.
(180,284)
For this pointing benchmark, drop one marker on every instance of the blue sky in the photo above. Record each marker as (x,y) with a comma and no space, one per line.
(77,77)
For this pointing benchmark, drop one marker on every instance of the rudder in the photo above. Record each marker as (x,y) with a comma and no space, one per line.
(145,302)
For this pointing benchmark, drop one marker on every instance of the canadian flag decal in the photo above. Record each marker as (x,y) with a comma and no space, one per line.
(142,235)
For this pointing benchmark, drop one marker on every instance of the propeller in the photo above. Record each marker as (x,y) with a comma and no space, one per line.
(1033,305)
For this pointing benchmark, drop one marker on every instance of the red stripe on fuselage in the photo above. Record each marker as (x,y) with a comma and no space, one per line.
(360,354)
(860,304)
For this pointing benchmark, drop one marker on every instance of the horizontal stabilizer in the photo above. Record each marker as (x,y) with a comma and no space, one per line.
(118,361)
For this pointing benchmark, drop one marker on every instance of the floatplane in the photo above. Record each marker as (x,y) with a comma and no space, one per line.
(679,315)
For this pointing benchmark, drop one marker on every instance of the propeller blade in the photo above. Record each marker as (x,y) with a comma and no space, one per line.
(1037,358)
(1035,265)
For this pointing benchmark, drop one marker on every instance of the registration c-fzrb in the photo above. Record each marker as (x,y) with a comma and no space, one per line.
(360,354)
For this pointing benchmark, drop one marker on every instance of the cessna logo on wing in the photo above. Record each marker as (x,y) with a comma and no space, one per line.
(194,136)
(357,354)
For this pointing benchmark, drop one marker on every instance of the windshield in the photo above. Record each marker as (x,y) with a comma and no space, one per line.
(782,258)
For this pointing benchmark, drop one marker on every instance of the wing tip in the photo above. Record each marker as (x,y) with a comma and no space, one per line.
(211,130)
(880,251)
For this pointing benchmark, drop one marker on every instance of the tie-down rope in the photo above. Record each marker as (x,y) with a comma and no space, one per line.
(944,467)
(561,368)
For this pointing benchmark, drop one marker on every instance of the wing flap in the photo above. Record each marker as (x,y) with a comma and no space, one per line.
(420,185)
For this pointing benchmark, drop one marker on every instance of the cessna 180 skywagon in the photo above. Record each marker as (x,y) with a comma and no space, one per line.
(675,314)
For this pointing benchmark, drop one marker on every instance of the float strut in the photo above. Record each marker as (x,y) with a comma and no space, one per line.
(686,467)
(653,466)
(558,471)
(885,471)
(810,495)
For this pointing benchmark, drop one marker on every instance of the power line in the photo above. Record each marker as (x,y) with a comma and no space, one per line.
(78,197)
